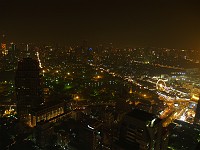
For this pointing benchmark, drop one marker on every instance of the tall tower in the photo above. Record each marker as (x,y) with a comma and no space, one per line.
(28,86)
(12,54)
(4,50)
(140,130)
(197,115)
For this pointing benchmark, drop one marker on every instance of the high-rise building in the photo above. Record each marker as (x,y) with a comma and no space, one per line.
(90,135)
(28,86)
(197,115)
(12,55)
(4,50)
(140,130)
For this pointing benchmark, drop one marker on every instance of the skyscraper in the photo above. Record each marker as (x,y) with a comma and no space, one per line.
(90,136)
(4,50)
(28,86)
(140,130)
(197,115)
(12,55)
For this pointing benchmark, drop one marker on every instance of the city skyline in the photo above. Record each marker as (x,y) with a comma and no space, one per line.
(59,97)
(172,24)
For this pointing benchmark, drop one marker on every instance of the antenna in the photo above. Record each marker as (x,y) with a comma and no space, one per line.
(27,49)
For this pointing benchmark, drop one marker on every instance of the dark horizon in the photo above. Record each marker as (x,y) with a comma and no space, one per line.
(156,23)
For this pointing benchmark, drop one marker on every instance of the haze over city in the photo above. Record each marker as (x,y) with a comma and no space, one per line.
(153,23)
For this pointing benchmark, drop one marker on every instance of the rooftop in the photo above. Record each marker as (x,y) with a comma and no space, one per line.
(47,106)
(91,123)
(142,115)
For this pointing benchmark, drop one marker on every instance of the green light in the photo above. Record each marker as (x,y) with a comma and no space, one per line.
(67,87)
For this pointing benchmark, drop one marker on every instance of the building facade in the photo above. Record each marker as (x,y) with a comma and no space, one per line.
(140,130)
(28,86)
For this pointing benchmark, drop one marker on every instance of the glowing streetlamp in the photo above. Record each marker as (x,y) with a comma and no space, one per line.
(77,97)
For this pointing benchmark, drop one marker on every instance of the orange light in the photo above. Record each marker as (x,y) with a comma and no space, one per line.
(3,46)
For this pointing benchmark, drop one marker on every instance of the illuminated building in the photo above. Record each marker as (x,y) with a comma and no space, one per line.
(44,118)
(140,130)
(12,53)
(3,47)
(4,50)
(28,86)
(49,112)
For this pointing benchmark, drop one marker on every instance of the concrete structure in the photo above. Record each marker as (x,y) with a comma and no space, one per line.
(49,112)
(140,130)
(197,115)
(28,86)
(90,135)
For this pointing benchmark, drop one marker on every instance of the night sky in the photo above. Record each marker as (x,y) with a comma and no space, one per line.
(159,23)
